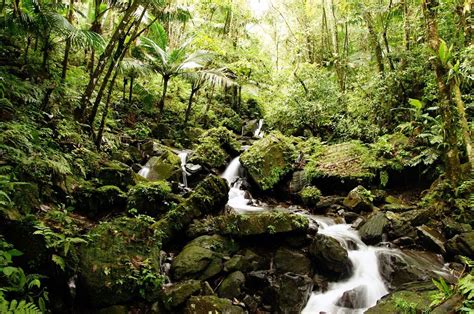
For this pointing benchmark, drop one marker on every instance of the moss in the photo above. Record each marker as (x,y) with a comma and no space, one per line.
(177,294)
(111,263)
(310,195)
(100,201)
(116,173)
(211,304)
(209,196)
(149,197)
(268,160)
(165,166)
(252,224)
(417,301)
(215,148)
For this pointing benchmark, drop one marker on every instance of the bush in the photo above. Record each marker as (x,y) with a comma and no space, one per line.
(310,195)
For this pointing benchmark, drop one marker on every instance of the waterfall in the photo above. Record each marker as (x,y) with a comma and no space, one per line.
(366,282)
(184,156)
(144,171)
(258,132)
(239,199)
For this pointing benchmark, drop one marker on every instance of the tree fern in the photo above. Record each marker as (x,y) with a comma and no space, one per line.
(21,307)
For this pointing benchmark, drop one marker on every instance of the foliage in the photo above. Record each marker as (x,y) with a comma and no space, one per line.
(310,195)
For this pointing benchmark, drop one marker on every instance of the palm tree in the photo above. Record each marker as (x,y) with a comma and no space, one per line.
(198,79)
(132,68)
(169,62)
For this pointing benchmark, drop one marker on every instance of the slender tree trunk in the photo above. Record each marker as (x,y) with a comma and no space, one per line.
(190,104)
(100,132)
(161,103)
(104,57)
(385,37)
(69,17)
(452,163)
(132,81)
(463,121)
(373,38)
(208,105)
(124,88)
(28,43)
(46,53)
(406,24)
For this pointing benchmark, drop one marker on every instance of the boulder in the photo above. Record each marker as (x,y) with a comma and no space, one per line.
(241,225)
(174,295)
(116,173)
(371,232)
(329,257)
(269,160)
(211,304)
(210,196)
(108,264)
(97,202)
(149,197)
(245,261)
(286,260)
(354,299)
(431,239)
(451,227)
(310,195)
(359,199)
(202,258)
(411,301)
(462,244)
(297,183)
(231,286)
(166,166)
(249,128)
(292,292)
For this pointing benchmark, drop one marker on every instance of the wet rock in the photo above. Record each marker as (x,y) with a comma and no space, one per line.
(251,303)
(462,244)
(350,217)
(164,167)
(249,128)
(202,258)
(211,304)
(245,261)
(241,225)
(320,283)
(297,183)
(327,201)
(431,239)
(359,199)
(417,301)
(259,280)
(116,173)
(354,299)
(451,305)
(330,257)
(174,295)
(268,160)
(292,292)
(371,232)
(105,273)
(208,197)
(286,260)
(231,285)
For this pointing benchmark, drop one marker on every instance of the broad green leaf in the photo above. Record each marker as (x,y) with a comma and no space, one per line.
(58,260)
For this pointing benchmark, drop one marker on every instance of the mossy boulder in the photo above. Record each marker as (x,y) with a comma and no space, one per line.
(310,195)
(342,166)
(116,173)
(403,301)
(231,286)
(150,197)
(462,244)
(241,225)
(174,295)
(329,257)
(117,253)
(26,197)
(211,304)
(269,160)
(359,199)
(95,202)
(202,258)
(209,197)
(215,148)
(286,260)
(165,166)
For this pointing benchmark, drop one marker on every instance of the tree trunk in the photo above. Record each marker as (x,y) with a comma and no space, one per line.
(463,121)
(104,57)
(190,104)
(451,154)
(161,103)
(406,24)
(69,17)
(46,53)
(130,92)
(374,42)
(100,132)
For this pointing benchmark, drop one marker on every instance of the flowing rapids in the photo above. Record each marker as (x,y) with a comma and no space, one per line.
(366,278)
(184,157)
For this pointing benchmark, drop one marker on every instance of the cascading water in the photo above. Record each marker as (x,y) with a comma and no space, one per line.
(258,132)
(238,198)
(144,171)
(366,281)
(184,157)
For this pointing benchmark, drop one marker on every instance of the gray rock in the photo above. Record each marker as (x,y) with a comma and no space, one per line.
(371,232)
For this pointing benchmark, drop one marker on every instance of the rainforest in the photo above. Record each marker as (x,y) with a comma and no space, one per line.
(236,156)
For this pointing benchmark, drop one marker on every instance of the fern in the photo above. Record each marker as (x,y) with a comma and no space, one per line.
(21,307)
(466,286)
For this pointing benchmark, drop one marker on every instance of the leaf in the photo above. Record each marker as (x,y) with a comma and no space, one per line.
(418,104)
(443,52)
(58,260)
(9,270)
(34,283)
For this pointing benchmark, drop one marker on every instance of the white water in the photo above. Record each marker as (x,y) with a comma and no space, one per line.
(238,198)
(258,132)
(366,273)
(144,171)
(184,157)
